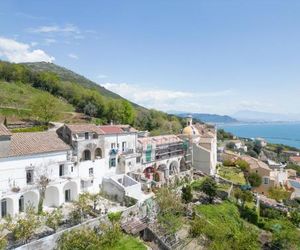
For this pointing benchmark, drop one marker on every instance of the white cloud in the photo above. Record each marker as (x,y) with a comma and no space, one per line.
(163,99)
(68,28)
(101,76)
(73,56)
(17,52)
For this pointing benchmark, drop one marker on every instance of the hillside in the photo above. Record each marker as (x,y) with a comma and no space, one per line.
(210,118)
(74,92)
(70,76)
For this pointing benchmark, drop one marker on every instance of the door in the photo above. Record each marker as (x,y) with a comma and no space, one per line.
(21,204)
(68,195)
(3,208)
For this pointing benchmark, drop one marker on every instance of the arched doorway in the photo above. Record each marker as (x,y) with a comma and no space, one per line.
(183,165)
(7,207)
(31,199)
(86,155)
(70,191)
(173,167)
(52,197)
(164,169)
(98,153)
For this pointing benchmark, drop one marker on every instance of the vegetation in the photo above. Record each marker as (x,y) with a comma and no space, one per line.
(186,194)
(223,135)
(54,219)
(170,209)
(209,187)
(278,193)
(233,174)
(223,229)
(48,93)
(254,179)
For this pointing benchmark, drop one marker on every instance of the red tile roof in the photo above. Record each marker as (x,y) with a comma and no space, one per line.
(295,159)
(112,129)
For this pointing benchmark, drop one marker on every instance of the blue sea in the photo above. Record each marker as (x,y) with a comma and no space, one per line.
(283,133)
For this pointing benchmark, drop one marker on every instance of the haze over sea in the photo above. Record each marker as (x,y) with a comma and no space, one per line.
(282,133)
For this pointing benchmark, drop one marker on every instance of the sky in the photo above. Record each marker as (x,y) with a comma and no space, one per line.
(203,56)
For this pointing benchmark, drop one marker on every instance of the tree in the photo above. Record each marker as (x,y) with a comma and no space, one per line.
(257,147)
(186,194)
(254,179)
(278,193)
(279,149)
(243,195)
(230,145)
(244,165)
(209,187)
(45,108)
(42,183)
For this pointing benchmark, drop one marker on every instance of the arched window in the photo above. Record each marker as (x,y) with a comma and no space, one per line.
(21,204)
(98,153)
(3,208)
(86,155)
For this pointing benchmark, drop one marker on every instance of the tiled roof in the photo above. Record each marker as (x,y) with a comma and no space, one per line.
(81,128)
(159,140)
(4,130)
(112,129)
(127,127)
(254,163)
(35,143)
(295,159)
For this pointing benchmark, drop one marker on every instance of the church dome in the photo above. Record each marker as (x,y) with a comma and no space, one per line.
(190,130)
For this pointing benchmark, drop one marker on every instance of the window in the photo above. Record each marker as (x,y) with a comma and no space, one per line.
(67,195)
(3,208)
(123,146)
(86,155)
(266,180)
(72,169)
(118,145)
(95,136)
(138,159)
(86,135)
(113,145)
(112,162)
(21,204)
(61,170)
(91,172)
(29,176)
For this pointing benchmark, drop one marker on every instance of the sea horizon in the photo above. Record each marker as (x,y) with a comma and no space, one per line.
(287,133)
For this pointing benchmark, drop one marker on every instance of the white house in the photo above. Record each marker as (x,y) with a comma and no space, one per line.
(27,157)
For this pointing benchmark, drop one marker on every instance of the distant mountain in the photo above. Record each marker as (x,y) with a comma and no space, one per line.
(209,118)
(257,116)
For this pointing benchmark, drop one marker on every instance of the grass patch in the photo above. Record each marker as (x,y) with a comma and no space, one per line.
(223,228)
(233,174)
(17,96)
(128,243)
(32,129)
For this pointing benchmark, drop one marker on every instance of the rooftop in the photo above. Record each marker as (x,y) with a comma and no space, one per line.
(254,163)
(112,129)
(295,159)
(35,143)
(159,140)
(81,128)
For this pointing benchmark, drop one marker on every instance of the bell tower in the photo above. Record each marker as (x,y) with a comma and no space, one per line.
(189,120)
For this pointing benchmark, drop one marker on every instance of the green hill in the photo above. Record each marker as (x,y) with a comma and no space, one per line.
(70,76)
(70,91)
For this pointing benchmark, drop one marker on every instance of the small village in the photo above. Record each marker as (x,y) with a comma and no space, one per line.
(160,190)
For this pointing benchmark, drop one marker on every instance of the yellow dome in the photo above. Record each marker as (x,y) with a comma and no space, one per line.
(190,130)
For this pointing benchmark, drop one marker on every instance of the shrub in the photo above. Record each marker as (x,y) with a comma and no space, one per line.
(186,195)
(209,187)
(249,215)
(54,219)
(254,179)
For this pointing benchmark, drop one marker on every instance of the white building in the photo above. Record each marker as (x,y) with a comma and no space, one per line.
(25,158)
(204,146)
